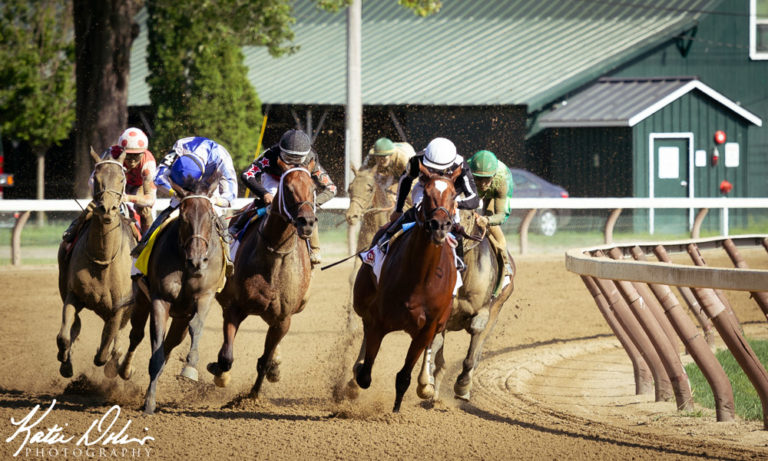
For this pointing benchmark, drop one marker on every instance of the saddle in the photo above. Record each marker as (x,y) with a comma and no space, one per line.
(477,233)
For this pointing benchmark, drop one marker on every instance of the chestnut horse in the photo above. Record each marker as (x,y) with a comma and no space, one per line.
(96,272)
(272,274)
(475,310)
(185,269)
(415,290)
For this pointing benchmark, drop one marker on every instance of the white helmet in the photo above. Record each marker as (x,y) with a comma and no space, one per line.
(439,154)
(133,141)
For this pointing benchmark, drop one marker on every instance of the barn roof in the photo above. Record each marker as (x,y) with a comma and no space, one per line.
(627,102)
(478,52)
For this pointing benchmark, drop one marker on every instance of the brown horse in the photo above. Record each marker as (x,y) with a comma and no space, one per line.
(272,274)
(185,269)
(96,272)
(475,310)
(415,289)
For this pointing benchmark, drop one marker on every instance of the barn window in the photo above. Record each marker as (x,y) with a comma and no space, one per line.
(758,29)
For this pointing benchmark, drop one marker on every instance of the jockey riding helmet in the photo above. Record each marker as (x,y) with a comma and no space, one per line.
(186,171)
(294,147)
(439,154)
(133,141)
(483,164)
(383,147)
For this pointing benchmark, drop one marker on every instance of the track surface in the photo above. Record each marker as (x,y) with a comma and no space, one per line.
(553,384)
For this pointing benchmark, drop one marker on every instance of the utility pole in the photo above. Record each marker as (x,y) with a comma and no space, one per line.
(354,113)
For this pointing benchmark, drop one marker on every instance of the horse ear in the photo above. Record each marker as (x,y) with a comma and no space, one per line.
(176,188)
(95,156)
(212,188)
(121,158)
(424,170)
(354,170)
(283,166)
(455,174)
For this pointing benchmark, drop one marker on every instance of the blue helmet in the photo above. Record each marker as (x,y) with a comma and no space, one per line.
(186,171)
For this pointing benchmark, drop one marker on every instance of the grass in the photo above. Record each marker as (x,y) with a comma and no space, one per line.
(746,400)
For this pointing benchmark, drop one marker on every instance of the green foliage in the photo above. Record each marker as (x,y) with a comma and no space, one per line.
(420,7)
(745,396)
(199,84)
(37,85)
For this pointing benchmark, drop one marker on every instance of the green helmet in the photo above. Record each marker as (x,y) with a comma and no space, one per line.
(483,163)
(383,147)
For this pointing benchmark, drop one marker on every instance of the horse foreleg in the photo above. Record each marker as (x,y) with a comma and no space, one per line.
(403,378)
(480,327)
(275,334)
(157,360)
(195,332)
(108,335)
(116,323)
(138,321)
(70,328)
(371,344)
(232,319)
(428,386)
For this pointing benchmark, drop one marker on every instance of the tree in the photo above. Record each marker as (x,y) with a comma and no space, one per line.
(37,93)
(104,32)
(198,82)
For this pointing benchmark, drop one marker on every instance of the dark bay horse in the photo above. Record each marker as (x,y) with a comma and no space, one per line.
(475,310)
(185,270)
(272,274)
(414,292)
(95,273)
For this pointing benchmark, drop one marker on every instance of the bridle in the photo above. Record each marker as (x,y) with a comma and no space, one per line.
(429,214)
(282,208)
(98,195)
(198,236)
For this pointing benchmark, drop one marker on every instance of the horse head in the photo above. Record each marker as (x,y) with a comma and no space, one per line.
(295,198)
(108,187)
(438,203)
(196,229)
(361,192)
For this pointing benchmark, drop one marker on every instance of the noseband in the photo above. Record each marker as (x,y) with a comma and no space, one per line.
(197,236)
(283,209)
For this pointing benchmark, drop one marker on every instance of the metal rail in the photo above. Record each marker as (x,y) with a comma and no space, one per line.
(638,304)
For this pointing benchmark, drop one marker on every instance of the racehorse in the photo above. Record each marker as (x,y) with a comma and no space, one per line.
(95,273)
(272,274)
(185,269)
(475,310)
(414,292)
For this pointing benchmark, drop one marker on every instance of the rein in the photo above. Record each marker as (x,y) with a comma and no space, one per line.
(282,209)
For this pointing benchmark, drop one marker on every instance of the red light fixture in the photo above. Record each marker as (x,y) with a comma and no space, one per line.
(719,137)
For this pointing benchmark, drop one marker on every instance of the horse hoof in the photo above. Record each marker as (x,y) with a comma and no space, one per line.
(66,369)
(189,373)
(126,372)
(110,368)
(425,392)
(222,380)
(464,397)
(149,408)
(273,374)
(352,391)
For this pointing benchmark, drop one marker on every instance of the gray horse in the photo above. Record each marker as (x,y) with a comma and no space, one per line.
(475,310)
(95,272)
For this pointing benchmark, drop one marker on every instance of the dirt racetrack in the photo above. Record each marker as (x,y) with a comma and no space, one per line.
(553,384)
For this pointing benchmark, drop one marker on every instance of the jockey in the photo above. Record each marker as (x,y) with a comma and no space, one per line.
(494,187)
(389,159)
(140,189)
(191,161)
(263,176)
(439,157)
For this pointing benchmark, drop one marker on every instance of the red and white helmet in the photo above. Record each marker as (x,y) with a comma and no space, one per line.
(133,141)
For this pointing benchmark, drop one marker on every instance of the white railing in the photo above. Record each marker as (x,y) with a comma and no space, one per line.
(530,204)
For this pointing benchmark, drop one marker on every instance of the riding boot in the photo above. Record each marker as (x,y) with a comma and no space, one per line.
(77,223)
(161,218)
(501,241)
(314,248)
(405,218)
